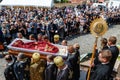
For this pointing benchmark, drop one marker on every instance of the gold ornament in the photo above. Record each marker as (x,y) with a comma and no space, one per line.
(36,57)
(98,27)
(59,61)
(56,37)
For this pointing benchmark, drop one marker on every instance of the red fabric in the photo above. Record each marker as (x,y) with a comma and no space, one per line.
(41,46)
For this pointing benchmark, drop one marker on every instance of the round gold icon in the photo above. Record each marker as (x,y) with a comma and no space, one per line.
(98,27)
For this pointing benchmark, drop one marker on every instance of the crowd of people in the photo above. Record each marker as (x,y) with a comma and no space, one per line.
(41,24)
(65,21)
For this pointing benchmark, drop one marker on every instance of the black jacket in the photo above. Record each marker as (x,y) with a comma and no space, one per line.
(65,74)
(73,62)
(115,53)
(9,71)
(50,72)
(101,72)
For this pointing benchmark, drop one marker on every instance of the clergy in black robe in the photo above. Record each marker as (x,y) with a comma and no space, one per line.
(102,70)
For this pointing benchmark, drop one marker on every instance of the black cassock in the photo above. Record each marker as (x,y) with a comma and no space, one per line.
(101,72)
(50,72)
(65,74)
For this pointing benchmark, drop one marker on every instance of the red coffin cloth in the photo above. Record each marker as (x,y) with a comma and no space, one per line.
(41,46)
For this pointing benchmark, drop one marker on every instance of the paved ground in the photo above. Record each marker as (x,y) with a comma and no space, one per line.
(85,41)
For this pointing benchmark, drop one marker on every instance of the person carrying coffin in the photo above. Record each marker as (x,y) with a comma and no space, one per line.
(37,67)
(9,72)
(63,71)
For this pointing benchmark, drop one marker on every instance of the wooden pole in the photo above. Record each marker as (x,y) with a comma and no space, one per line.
(92,58)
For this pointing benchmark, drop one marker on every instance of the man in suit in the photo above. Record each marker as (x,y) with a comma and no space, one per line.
(63,71)
(21,67)
(50,71)
(77,61)
(9,72)
(73,60)
(37,67)
(114,49)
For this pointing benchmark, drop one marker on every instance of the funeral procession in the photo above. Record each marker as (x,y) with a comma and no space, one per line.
(59,39)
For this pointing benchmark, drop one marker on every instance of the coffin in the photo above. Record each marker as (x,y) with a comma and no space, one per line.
(62,50)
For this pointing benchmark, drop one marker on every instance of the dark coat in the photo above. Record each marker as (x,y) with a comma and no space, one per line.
(101,72)
(21,70)
(9,71)
(51,29)
(96,61)
(50,72)
(65,74)
(115,53)
(73,62)
(1,37)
